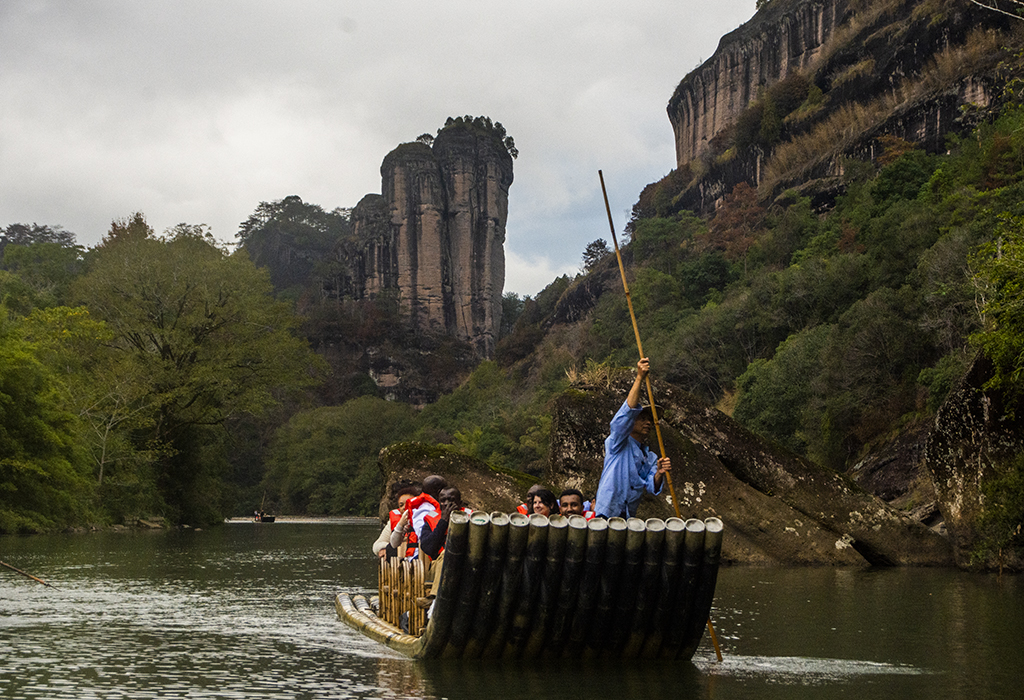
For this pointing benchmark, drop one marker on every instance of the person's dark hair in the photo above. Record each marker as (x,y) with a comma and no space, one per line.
(405,486)
(532,492)
(571,492)
(547,498)
(433,485)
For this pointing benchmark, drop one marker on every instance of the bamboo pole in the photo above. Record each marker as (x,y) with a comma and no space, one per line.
(38,580)
(640,349)
(639,345)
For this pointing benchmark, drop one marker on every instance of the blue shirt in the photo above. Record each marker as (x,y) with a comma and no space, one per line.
(629,468)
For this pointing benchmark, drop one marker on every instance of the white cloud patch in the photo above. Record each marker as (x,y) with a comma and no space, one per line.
(195,111)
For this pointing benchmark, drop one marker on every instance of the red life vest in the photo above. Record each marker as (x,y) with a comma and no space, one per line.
(396,515)
(522,508)
(589,514)
(415,502)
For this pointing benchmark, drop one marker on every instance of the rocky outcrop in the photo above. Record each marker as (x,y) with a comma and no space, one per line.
(785,36)
(435,236)
(778,508)
(482,488)
(972,441)
(905,68)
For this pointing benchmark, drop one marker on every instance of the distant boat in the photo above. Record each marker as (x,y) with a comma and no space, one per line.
(260,517)
(517,586)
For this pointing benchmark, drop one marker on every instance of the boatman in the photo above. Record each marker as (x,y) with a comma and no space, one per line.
(630,467)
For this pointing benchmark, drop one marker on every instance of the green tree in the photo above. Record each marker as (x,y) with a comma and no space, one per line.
(207,339)
(42,465)
(595,252)
(999,278)
(324,461)
(110,395)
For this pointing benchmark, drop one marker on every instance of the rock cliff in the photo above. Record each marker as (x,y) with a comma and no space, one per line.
(435,236)
(866,68)
(784,37)
(974,440)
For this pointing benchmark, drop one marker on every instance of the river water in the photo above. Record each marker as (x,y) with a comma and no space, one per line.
(246,611)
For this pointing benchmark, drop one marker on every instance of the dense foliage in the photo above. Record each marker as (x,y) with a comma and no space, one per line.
(114,408)
(158,376)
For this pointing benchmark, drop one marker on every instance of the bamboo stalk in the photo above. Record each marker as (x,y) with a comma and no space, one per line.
(490,584)
(38,580)
(529,587)
(575,553)
(590,579)
(668,587)
(681,619)
(639,345)
(608,587)
(511,576)
(547,596)
(647,593)
(466,607)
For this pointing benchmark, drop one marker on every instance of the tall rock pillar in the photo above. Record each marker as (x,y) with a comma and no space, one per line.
(446,208)
(476,171)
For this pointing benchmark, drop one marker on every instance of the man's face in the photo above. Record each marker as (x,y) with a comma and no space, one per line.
(642,425)
(450,497)
(571,505)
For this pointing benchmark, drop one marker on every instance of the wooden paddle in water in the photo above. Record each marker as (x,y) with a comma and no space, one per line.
(28,575)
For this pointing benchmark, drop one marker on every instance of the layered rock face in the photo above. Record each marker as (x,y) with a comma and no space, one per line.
(778,508)
(436,234)
(907,67)
(973,438)
(785,37)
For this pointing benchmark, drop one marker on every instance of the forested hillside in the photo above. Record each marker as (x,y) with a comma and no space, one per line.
(158,375)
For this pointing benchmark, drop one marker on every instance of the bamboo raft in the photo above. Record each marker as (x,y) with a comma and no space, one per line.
(521,587)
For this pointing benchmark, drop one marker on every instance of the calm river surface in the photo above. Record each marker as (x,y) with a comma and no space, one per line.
(246,611)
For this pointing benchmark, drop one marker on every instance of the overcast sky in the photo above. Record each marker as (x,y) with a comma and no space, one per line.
(195,111)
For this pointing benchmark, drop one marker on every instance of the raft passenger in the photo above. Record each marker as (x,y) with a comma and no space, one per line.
(570,502)
(526,507)
(545,503)
(397,537)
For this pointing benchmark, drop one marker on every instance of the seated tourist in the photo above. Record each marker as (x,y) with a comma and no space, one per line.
(433,537)
(570,502)
(526,507)
(401,538)
(401,491)
(545,503)
(426,504)
(435,530)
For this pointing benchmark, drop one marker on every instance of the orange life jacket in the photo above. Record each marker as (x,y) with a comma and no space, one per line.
(396,515)
(522,508)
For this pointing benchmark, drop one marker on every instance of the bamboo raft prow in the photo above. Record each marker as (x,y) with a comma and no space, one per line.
(519,587)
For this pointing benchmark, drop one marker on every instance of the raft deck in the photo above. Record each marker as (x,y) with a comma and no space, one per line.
(521,587)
